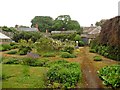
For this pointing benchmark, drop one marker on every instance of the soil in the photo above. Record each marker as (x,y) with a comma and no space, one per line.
(90,67)
(91,80)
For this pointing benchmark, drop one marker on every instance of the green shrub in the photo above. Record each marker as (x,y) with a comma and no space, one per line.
(22,52)
(14,47)
(12,43)
(44,44)
(49,55)
(63,37)
(1,48)
(92,50)
(106,54)
(24,49)
(58,62)
(68,49)
(67,55)
(67,74)
(41,62)
(110,75)
(28,61)
(11,60)
(81,43)
(34,36)
(97,58)
(6,47)
(34,62)
(12,52)
(112,52)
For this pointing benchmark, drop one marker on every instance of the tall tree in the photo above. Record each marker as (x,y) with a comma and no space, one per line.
(61,22)
(73,25)
(42,22)
(64,22)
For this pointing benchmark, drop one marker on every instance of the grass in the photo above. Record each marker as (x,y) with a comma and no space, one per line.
(21,76)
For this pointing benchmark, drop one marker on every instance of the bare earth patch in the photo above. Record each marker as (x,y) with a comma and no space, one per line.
(89,68)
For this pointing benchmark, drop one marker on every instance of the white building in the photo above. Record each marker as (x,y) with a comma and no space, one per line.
(4,38)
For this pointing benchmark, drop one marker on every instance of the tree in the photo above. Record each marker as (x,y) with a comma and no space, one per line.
(43,22)
(101,22)
(64,22)
(60,23)
(77,37)
(57,25)
(34,36)
(73,25)
(7,29)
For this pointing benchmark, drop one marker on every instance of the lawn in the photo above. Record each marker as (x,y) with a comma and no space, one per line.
(21,76)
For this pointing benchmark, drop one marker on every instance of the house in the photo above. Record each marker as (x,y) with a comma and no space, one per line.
(27,29)
(9,34)
(4,38)
(90,33)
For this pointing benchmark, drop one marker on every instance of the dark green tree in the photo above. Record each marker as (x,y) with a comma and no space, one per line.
(61,22)
(64,22)
(42,22)
(73,25)
(34,36)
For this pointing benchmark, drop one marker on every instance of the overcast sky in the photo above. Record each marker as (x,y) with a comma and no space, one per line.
(86,12)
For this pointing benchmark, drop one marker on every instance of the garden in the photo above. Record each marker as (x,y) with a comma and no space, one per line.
(42,62)
(51,63)
(54,62)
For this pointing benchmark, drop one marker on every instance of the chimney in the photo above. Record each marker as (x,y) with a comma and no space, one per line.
(16,26)
(36,26)
(91,25)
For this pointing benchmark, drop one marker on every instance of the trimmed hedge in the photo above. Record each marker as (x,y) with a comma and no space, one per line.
(67,55)
(112,52)
(63,74)
(49,55)
(12,52)
(5,47)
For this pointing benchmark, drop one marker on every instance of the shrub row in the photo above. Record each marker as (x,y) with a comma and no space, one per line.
(110,75)
(68,49)
(107,51)
(12,52)
(67,55)
(5,47)
(63,74)
(97,58)
(49,55)
(24,49)
(24,61)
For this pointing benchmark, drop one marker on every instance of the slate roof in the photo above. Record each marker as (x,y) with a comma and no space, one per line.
(91,32)
(27,29)
(96,30)
(2,36)
(65,32)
